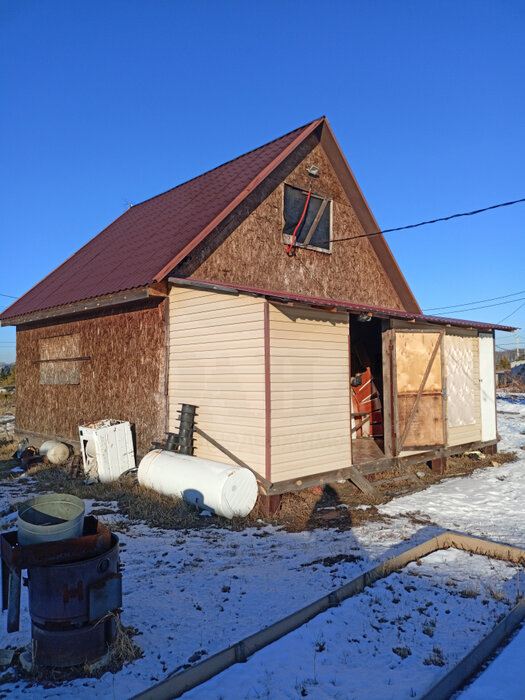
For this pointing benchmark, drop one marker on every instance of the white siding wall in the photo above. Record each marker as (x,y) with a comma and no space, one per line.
(310,412)
(487,386)
(217,363)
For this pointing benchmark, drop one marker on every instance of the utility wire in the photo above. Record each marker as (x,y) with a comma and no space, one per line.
(480,301)
(512,312)
(430,221)
(486,306)
(8,295)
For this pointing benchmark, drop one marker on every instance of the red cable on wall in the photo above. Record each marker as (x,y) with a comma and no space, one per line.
(290,247)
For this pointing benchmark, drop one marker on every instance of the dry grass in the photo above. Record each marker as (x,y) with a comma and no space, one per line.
(7,449)
(334,505)
(134,501)
(121,652)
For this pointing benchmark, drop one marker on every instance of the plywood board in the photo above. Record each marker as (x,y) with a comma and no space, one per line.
(57,347)
(427,426)
(123,377)
(418,355)
(249,249)
(413,352)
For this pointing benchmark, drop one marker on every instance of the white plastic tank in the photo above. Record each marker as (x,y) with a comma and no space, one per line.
(56,452)
(224,489)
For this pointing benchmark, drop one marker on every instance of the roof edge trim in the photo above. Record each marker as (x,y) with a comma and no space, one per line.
(208,285)
(106,301)
(309,129)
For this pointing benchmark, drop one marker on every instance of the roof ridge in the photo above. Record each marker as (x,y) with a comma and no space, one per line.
(227,162)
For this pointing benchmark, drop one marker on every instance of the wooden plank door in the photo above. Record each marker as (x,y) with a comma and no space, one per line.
(418,390)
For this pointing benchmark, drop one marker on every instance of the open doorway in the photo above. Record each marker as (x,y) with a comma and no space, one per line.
(366,388)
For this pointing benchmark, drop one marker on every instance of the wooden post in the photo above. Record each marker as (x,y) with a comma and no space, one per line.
(490,449)
(270,504)
(439,465)
(362,483)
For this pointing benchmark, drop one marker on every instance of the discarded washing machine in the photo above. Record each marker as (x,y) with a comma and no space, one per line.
(74,587)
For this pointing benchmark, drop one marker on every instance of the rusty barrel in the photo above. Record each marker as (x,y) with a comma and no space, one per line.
(76,593)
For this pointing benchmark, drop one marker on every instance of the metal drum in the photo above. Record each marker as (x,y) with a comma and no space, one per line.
(68,595)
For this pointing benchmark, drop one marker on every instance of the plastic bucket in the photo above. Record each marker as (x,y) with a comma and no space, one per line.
(55,516)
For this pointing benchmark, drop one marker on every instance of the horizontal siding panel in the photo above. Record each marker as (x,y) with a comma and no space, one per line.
(282,312)
(244,331)
(222,353)
(297,439)
(238,413)
(299,380)
(285,360)
(229,437)
(299,470)
(288,402)
(244,326)
(217,363)
(325,330)
(293,419)
(218,388)
(292,336)
(218,403)
(194,297)
(464,434)
(220,364)
(310,392)
(315,456)
(239,306)
(224,341)
(217,426)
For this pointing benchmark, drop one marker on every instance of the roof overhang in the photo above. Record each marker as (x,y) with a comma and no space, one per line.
(335,304)
(106,302)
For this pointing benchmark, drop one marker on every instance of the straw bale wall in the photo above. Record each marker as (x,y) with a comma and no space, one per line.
(251,251)
(121,373)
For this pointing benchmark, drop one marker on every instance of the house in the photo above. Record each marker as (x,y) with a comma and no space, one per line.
(255,292)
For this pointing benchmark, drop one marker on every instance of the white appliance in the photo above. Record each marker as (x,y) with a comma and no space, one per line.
(107,449)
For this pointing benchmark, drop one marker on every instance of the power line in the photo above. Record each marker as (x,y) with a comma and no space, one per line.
(487,306)
(480,301)
(8,295)
(430,221)
(512,312)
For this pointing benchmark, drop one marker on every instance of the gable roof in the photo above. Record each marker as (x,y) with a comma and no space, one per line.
(145,243)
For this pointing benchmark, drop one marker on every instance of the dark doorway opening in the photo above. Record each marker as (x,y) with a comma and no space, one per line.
(366,369)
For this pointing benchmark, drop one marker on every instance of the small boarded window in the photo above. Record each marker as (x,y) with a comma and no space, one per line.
(60,359)
(315,228)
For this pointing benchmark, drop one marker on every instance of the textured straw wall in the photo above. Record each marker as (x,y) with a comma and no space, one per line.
(254,253)
(124,377)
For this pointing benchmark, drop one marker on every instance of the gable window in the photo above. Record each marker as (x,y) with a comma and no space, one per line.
(315,229)
(60,360)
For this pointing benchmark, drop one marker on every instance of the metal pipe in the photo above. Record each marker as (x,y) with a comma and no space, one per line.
(186,425)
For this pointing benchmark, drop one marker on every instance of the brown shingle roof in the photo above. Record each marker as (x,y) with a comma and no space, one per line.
(146,241)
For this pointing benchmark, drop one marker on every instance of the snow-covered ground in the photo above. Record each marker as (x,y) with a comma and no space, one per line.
(190,594)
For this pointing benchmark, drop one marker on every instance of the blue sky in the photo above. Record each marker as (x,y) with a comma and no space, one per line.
(106,103)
